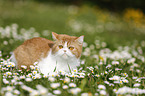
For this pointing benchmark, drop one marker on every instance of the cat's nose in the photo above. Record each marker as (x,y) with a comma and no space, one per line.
(64,50)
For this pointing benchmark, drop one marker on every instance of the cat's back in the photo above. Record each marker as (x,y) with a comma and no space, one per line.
(32,50)
(37,43)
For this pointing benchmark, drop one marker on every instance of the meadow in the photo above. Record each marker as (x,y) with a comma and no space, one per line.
(112,61)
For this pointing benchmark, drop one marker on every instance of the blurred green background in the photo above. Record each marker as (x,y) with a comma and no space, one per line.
(116,22)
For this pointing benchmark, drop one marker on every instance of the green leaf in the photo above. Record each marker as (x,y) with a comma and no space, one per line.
(83,83)
(55,67)
(69,68)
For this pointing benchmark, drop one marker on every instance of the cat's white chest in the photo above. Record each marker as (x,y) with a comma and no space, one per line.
(55,63)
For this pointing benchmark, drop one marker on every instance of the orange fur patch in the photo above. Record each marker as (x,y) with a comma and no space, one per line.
(31,51)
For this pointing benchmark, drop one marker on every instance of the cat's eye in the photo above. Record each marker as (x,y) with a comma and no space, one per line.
(71,48)
(60,46)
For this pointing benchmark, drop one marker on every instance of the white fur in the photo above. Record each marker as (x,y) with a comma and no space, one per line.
(13,59)
(61,61)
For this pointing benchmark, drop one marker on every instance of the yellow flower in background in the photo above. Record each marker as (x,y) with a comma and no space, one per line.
(134,15)
(101,58)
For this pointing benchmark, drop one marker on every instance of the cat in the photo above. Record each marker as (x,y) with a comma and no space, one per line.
(62,54)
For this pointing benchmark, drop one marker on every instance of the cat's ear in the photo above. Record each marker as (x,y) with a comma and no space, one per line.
(54,36)
(80,39)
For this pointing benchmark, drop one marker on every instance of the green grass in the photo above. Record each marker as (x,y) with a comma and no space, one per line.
(96,24)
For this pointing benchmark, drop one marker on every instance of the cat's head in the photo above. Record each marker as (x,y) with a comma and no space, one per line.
(67,46)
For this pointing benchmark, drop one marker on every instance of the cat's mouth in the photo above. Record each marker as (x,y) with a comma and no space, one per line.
(65,55)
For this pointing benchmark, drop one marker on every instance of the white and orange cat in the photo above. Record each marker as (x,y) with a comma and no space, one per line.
(60,55)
